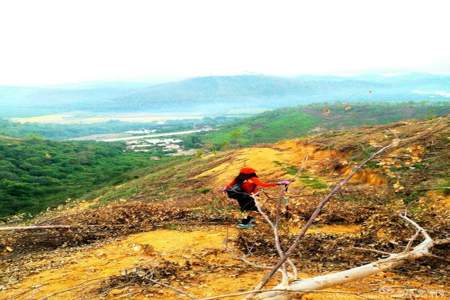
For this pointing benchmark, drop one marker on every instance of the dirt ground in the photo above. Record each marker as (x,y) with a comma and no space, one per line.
(214,268)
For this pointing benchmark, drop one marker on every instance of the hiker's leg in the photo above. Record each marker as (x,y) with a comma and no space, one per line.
(250,207)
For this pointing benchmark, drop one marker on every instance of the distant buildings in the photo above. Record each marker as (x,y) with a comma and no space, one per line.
(167,145)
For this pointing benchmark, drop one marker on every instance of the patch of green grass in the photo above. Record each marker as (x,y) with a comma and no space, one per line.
(313,182)
(272,126)
(419,166)
(172,226)
(372,165)
(413,196)
(291,170)
(276,162)
(444,186)
(203,190)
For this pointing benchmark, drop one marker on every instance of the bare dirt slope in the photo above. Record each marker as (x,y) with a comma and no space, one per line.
(199,261)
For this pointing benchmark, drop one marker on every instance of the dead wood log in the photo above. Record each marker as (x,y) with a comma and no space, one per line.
(396,143)
(337,278)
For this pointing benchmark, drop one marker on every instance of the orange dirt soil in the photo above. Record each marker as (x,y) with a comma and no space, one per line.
(85,269)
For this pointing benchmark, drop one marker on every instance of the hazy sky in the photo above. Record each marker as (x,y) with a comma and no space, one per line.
(60,41)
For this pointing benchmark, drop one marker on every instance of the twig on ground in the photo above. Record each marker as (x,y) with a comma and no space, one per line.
(179,291)
(372,250)
(39,227)
(411,241)
(84,283)
(244,259)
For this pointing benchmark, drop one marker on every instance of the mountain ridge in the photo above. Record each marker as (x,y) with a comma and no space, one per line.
(221,94)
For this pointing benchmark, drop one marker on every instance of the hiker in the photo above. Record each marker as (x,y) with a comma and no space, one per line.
(241,189)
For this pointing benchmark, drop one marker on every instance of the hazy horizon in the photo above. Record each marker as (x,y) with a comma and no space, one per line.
(144,81)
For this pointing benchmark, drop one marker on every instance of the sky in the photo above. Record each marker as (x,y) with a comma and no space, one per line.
(60,41)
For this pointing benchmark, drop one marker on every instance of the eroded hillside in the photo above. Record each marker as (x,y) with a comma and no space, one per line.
(175,227)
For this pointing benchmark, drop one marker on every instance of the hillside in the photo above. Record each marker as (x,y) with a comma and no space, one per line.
(298,121)
(38,174)
(174,227)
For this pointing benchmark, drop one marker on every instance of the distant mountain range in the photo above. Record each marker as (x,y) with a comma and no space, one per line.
(220,94)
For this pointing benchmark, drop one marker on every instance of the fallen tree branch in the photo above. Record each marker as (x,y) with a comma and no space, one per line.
(394,144)
(372,250)
(278,290)
(332,279)
(411,241)
(39,227)
(250,263)
(316,212)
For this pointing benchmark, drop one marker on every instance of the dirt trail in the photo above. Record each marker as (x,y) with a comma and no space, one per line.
(85,270)
(283,160)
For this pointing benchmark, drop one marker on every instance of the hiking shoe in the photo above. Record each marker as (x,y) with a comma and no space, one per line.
(246,226)
(248,220)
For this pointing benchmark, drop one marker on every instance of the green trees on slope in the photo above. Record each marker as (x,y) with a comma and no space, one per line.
(36,174)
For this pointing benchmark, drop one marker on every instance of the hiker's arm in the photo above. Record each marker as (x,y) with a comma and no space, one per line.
(230,184)
(262,184)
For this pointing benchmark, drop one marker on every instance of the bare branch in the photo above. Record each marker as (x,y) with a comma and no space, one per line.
(394,144)
(39,227)
(244,259)
(284,275)
(440,258)
(179,291)
(371,250)
(278,290)
(411,241)
(394,260)
(277,239)
(442,242)
(83,284)
(319,208)
(417,226)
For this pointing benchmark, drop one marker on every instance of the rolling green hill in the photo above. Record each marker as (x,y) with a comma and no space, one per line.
(298,121)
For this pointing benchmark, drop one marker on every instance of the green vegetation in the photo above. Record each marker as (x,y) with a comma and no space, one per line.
(36,174)
(312,182)
(291,170)
(263,128)
(298,121)
(444,185)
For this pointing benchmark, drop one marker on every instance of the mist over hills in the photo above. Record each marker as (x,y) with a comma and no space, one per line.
(220,94)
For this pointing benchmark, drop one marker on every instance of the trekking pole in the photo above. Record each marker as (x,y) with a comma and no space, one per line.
(284,197)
